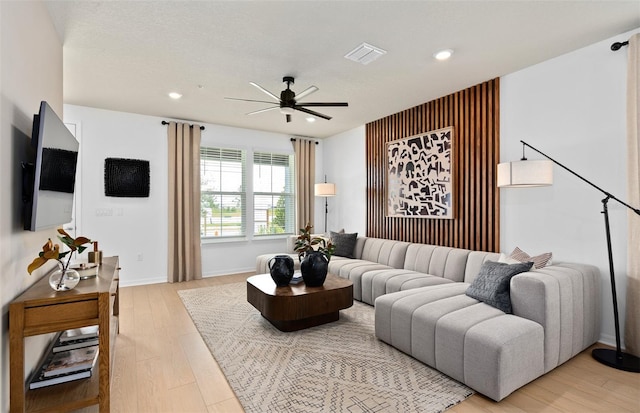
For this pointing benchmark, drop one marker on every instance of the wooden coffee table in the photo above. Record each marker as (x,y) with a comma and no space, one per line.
(296,306)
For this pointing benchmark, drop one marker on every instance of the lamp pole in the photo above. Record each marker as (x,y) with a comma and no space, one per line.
(612,358)
(325,190)
(326,212)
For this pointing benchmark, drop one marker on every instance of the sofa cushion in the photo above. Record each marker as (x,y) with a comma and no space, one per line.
(502,354)
(445,262)
(394,312)
(377,279)
(450,332)
(353,270)
(492,283)
(345,243)
(406,281)
(475,259)
(384,251)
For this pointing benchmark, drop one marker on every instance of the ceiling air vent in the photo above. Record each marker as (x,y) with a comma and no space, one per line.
(365,53)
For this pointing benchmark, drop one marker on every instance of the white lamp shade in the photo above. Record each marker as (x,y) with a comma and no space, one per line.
(523,174)
(325,189)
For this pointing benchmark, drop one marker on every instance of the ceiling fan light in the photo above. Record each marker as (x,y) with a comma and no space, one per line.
(286,110)
(175,95)
(310,119)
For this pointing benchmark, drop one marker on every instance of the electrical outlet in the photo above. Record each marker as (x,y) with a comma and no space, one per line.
(104,212)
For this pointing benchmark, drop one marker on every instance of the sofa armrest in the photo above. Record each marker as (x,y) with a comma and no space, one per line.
(262,262)
(565,300)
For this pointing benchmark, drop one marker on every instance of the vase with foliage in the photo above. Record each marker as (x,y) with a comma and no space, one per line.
(63,278)
(314,254)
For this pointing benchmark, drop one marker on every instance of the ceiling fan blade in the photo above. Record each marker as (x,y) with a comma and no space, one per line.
(311,112)
(265,91)
(323,104)
(306,92)
(262,110)
(248,100)
(288,117)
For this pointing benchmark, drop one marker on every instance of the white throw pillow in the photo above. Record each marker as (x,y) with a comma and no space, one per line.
(507,260)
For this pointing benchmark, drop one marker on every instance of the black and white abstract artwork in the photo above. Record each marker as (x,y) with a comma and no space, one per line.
(419,179)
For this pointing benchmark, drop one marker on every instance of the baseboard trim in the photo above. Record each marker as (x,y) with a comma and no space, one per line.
(230,272)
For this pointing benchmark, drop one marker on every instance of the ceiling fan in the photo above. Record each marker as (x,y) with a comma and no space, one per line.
(289,101)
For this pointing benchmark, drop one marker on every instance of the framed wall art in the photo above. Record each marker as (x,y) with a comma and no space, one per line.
(126,178)
(419,175)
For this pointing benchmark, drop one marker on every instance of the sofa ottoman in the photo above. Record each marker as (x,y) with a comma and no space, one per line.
(490,351)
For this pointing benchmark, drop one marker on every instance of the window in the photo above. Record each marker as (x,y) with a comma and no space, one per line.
(230,189)
(273,194)
(223,196)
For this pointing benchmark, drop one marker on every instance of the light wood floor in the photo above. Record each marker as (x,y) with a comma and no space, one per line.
(162,365)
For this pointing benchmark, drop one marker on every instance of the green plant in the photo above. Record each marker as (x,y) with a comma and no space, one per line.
(305,243)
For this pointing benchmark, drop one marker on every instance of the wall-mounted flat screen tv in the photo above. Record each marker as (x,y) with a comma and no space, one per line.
(49,181)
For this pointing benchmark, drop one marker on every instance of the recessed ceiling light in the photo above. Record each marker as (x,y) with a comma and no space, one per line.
(443,54)
(175,95)
(311,119)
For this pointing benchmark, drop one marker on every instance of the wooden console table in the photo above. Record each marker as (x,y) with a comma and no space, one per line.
(41,310)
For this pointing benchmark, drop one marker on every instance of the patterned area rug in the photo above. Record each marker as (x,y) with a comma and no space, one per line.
(336,367)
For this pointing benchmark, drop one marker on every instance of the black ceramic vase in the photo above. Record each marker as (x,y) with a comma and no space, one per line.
(314,268)
(281,269)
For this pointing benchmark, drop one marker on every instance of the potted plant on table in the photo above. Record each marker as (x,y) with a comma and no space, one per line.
(314,254)
(64,278)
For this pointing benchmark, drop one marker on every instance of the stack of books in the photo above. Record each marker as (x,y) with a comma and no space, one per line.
(85,269)
(76,338)
(297,278)
(72,357)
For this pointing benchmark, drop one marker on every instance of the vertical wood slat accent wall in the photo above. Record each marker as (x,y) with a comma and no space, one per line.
(474,114)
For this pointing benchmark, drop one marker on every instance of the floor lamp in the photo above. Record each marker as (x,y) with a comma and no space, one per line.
(539,173)
(326,190)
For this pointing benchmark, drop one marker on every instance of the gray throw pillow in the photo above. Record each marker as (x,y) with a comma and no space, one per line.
(491,286)
(345,244)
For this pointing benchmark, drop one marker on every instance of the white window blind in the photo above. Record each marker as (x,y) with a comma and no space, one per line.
(273,194)
(223,192)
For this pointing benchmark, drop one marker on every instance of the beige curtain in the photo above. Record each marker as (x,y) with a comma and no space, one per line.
(632,324)
(185,263)
(305,152)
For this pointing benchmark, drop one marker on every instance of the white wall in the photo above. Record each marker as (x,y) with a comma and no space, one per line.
(573,109)
(345,165)
(30,71)
(135,229)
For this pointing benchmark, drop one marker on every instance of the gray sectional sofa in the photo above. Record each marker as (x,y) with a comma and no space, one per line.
(421,308)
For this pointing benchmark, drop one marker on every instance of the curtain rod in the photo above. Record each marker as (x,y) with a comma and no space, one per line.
(294,139)
(617,45)
(164,122)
